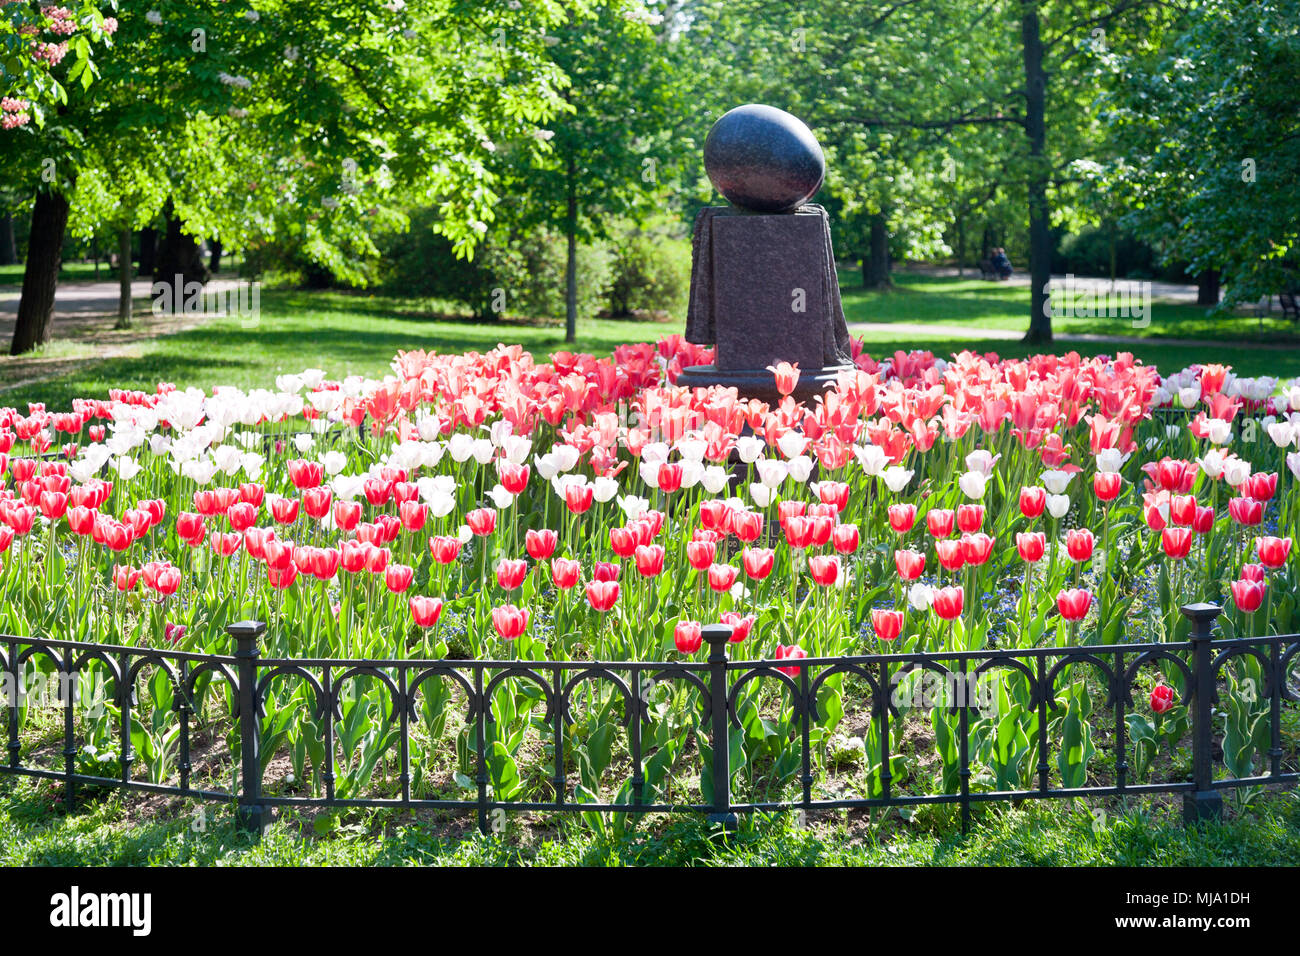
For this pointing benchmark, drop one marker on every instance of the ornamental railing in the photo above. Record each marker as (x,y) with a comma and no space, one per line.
(717,691)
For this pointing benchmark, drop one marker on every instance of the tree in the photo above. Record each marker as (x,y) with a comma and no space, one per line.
(1207,116)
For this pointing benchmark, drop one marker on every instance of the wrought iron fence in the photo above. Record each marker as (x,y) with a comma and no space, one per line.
(245,678)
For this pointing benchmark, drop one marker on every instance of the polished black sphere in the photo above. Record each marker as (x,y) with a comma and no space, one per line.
(763,159)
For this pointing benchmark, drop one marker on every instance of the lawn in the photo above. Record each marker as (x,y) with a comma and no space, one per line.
(360,333)
(114,832)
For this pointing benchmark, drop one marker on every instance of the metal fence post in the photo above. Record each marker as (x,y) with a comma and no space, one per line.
(250,815)
(718,636)
(1203,802)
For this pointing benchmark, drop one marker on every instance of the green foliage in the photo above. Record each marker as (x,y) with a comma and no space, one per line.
(651,270)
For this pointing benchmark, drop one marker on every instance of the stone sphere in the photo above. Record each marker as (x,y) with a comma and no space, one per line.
(763,159)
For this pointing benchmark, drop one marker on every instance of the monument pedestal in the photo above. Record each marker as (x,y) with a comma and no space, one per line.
(759,383)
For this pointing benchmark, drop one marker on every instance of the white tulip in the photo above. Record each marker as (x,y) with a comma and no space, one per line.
(465,534)
(548,466)
(1189,396)
(1058,505)
(973,484)
(228,459)
(482,451)
(252,464)
(982,461)
(1212,463)
(761,493)
(604,489)
(501,498)
(801,467)
(772,471)
(1293,463)
(896,477)
(1236,471)
(649,472)
(1218,431)
(692,473)
(920,596)
(872,458)
(567,456)
(499,431)
(633,506)
(517,448)
(460,446)
(715,479)
(749,447)
(655,451)
(691,449)
(792,444)
(201,471)
(1282,434)
(334,462)
(1110,459)
(1056,482)
(304,443)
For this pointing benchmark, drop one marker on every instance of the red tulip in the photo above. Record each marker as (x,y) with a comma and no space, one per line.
(81,520)
(1248,595)
(1203,523)
(1177,542)
(793,652)
(790,509)
(823,526)
(741,625)
(226,543)
(1073,603)
(687,635)
(950,554)
(1253,572)
(1106,485)
(623,541)
(747,525)
(425,611)
(284,510)
(510,621)
(578,498)
(902,517)
(540,545)
(190,528)
(602,595)
(167,580)
(565,573)
(377,491)
(316,502)
(444,548)
(514,478)
(970,517)
(836,494)
(604,571)
(758,562)
(125,577)
(845,538)
(722,577)
(798,532)
(669,478)
(482,521)
(252,493)
(1182,509)
(511,573)
(976,548)
(715,515)
(306,474)
(397,577)
(53,504)
(377,560)
(1246,511)
(939,521)
(1162,698)
(1261,486)
(281,578)
(1079,544)
(649,560)
(1031,545)
(413,515)
(1171,475)
(910,564)
(949,602)
(1273,552)
(700,554)
(1032,501)
(242,516)
(825,569)
(887,624)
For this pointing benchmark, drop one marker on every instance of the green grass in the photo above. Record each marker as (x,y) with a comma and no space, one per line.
(12,275)
(34,833)
(359,334)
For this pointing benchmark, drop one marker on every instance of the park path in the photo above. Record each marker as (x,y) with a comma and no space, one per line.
(82,329)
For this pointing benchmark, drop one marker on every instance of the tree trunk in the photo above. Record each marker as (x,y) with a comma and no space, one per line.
(8,247)
(214,264)
(961,242)
(571,267)
(123,279)
(1207,287)
(875,268)
(41,277)
(148,250)
(1040,237)
(179,262)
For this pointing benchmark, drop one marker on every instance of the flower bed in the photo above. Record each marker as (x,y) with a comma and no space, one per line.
(489,507)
